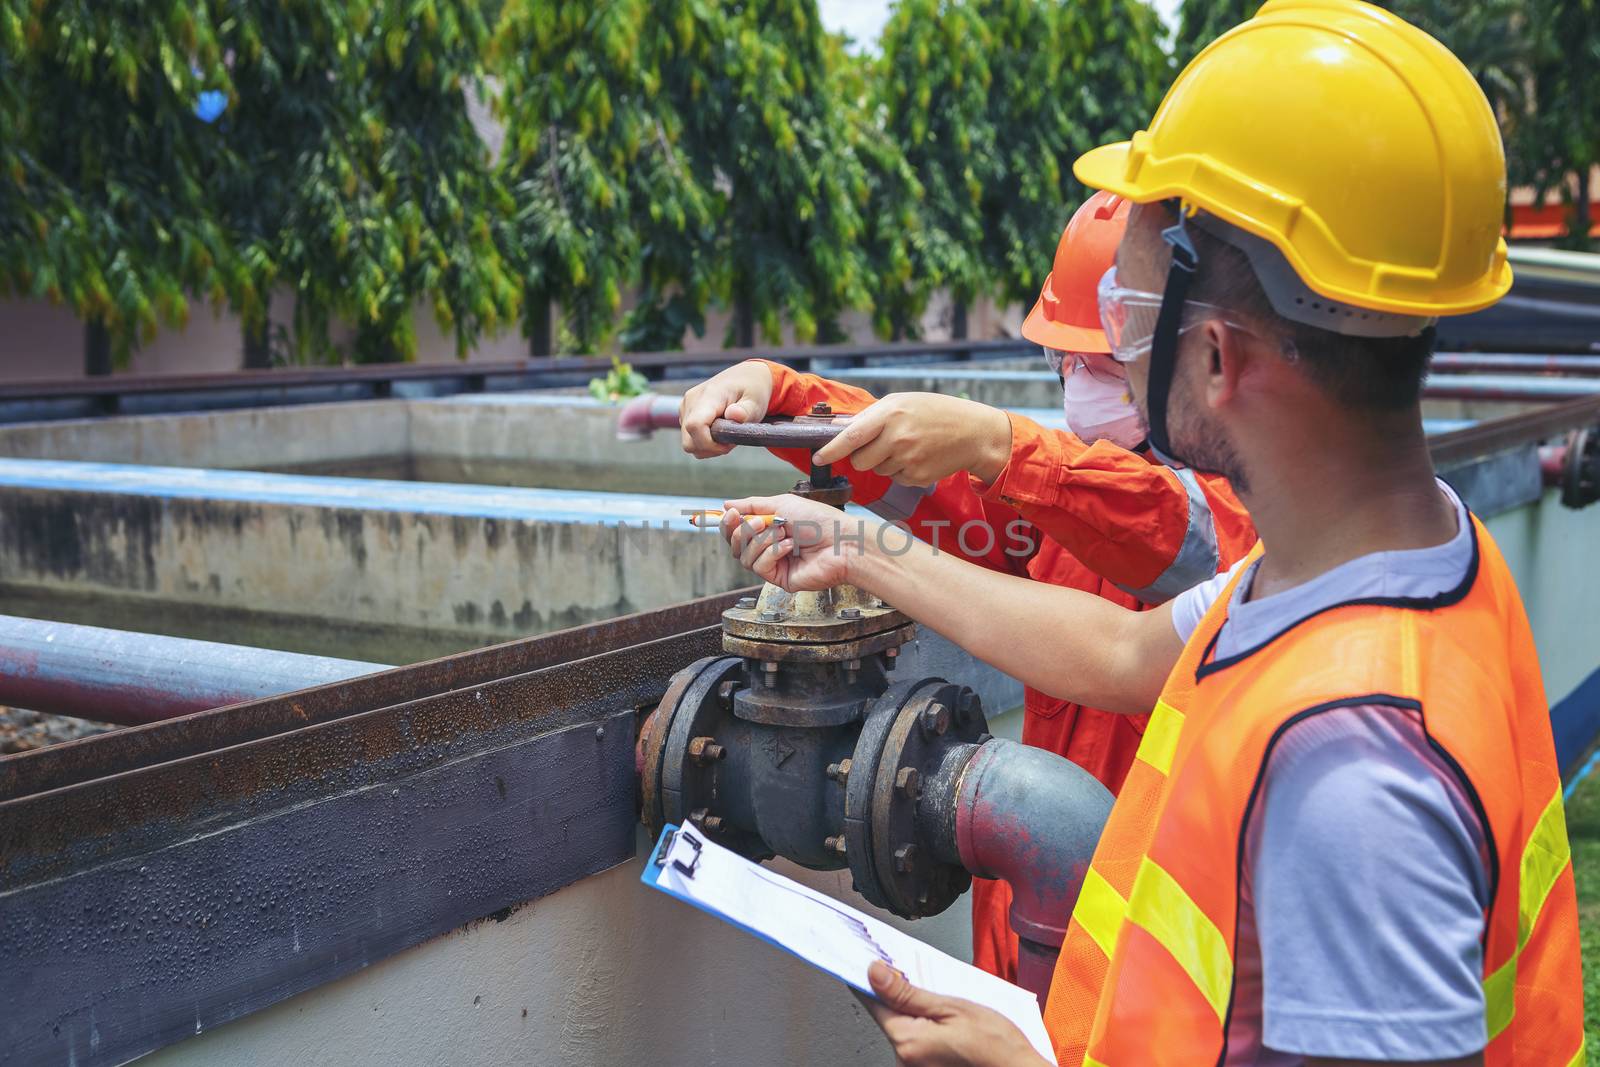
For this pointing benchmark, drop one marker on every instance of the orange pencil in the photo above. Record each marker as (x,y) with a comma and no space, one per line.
(713,517)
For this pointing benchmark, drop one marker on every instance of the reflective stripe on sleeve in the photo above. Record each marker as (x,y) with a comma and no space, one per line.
(1197,558)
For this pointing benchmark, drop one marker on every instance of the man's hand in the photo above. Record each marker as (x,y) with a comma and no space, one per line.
(920,438)
(927,1030)
(741,393)
(811,549)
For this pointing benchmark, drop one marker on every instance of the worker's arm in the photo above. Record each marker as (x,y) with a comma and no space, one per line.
(1149,529)
(942,510)
(1064,642)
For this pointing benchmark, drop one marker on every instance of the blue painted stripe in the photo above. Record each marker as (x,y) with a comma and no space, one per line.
(1575,721)
(371,494)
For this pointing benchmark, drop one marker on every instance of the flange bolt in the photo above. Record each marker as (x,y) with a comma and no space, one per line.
(834,844)
(839,771)
(706,750)
(909,782)
(745,603)
(850,613)
(936,719)
(905,857)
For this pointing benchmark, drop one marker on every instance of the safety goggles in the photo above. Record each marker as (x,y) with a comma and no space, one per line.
(1129,316)
(1064,363)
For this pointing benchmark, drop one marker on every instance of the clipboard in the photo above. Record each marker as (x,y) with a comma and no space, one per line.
(661,860)
(831,936)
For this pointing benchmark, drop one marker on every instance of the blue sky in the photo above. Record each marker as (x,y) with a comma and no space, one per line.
(864,19)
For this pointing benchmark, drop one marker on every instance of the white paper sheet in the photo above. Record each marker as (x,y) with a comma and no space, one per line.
(833,936)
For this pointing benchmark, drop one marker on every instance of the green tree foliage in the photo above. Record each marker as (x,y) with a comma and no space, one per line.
(1559,136)
(896,234)
(437,234)
(769,135)
(1202,21)
(103,203)
(695,150)
(992,101)
(605,196)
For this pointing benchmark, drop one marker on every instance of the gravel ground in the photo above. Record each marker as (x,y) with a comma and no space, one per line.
(21,731)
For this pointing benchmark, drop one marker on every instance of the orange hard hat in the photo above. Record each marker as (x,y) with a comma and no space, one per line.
(1067,315)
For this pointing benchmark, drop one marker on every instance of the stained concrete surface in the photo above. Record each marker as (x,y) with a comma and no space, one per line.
(603,972)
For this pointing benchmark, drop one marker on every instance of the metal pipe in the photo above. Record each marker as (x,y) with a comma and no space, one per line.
(1032,818)
(133,678)
(1515,363)
(1508,387)
(644,415)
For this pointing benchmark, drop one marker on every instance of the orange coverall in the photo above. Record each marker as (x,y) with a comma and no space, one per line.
(1115,524)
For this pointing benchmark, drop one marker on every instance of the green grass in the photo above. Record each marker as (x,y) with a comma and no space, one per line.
(1583,828)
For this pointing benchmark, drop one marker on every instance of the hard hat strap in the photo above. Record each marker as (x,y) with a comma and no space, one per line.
(1164,343)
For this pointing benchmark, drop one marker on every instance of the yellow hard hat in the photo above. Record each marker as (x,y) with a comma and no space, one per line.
(1349,140)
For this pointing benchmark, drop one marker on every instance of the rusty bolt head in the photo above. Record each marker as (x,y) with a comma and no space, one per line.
(839,771)
(905,857)
(834,844)
(849,613)
(745,603)
(726,690)
(967,704)
(935,719)
(909,782)
(711,824)
(705,750)
(822,408)
(892,653)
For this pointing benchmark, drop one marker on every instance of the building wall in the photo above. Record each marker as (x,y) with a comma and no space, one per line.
(39,340)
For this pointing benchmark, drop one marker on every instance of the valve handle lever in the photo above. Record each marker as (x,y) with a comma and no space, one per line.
(804,432)
(810,431)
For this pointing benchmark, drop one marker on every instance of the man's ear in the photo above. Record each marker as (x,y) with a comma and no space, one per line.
(1227,357)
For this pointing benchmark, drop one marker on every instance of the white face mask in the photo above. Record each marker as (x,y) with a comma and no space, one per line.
(1097,402)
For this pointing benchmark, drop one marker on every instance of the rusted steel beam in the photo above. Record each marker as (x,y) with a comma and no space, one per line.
(128,393)
(66,764)
(227,860)
(1530,428)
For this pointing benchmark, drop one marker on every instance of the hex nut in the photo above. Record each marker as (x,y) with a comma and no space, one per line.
(745,603)
(936,718)
(909,782)
(834,844)
(850,613)
(772,616)
(905,858)
(840,771)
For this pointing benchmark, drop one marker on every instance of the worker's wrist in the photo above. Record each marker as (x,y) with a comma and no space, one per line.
(873,560)
(991,444)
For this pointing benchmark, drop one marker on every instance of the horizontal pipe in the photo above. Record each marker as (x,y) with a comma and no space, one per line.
(1032,818)
(644,415)
(1515,363)
(132,678)
(1508,387)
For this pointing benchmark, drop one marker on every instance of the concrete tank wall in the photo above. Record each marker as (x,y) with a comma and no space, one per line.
(383,571)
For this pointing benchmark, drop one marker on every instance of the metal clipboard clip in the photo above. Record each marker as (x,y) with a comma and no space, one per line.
(686,869)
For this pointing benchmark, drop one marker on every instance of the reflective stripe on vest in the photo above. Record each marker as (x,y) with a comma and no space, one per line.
(1147,969)
(1546,855)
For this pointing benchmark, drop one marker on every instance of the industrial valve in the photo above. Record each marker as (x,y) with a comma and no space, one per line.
(803,742)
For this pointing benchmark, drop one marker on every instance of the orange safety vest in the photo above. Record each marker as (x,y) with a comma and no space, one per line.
(1146,974)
